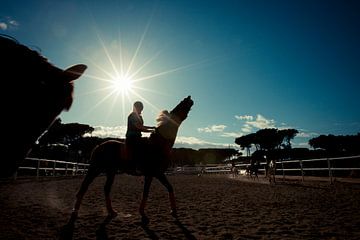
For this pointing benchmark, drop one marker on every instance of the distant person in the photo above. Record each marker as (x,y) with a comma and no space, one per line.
(135,127)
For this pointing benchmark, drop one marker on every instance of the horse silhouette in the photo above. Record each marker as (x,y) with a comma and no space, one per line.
(38,92)
(111,158)
(271,171)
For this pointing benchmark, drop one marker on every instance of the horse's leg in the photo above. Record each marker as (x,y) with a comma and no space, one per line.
(147,184)
(110,176)
(163,179)
(89,178)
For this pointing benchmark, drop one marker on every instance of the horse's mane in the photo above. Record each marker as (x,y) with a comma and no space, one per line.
(163,118)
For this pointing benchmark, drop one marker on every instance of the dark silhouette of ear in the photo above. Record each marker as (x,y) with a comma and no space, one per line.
(74,72)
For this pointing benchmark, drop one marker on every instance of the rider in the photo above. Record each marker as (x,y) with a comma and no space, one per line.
(135,126)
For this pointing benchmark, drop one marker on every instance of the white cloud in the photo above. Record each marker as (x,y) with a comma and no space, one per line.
(244,117)
(300,145)
(8,23)
(13,23)
(213,128)
(231,134)
(258,122)
(261,122)
(187,142)
(104,132)
(196,143)
(246,128)
(3,26)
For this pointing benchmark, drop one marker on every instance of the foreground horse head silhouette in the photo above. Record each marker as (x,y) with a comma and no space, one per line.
(110,158)
(34,93)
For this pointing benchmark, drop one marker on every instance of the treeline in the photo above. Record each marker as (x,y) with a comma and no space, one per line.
(67,142)
(276,143)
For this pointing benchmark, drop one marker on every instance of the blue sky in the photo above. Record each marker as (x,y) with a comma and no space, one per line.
(247,64)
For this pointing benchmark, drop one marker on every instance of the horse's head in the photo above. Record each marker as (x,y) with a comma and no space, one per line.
(169,122)
(37,92)
(180,112)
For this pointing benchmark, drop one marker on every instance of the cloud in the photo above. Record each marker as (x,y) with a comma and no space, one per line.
(13,23)
(246,128)
(231,134)
(244,117)
(3,26)
(196,143)
(104,132)
(261,122)
(213,128)
(181,141)
(304,134)
(8,23)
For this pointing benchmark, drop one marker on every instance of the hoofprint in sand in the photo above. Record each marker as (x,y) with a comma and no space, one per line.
(209,207)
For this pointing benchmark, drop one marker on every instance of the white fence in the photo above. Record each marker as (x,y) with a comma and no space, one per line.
(46,167)
(324,167)
(328,166)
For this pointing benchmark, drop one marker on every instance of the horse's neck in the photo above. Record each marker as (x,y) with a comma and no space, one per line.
(165,135)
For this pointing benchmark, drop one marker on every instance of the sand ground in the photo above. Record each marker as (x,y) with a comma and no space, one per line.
(209,207)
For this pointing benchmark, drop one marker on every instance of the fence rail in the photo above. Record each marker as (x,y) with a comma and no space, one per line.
(326,165)
(48,167)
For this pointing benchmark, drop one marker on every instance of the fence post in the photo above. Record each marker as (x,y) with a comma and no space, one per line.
(282,167)
(330,172)
(54,168)
(66,168)
(38,169)
(76,169)
(302,170)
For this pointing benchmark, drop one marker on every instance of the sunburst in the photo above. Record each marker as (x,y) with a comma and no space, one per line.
(123,81)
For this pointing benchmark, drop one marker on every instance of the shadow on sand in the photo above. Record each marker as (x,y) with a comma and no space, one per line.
(185,231)
(101,233)
(67,231)
(152,235)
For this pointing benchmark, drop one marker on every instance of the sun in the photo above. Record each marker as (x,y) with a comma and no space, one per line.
(122,84)
(122,71)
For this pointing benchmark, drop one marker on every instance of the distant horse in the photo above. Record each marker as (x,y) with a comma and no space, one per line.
(252,170)
(34,93)
(234,170)
(271,171)
(111,157)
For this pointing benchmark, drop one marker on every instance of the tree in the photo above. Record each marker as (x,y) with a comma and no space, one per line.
(64,133)
(337,144)
(268,139)
(288,135)
(246,142)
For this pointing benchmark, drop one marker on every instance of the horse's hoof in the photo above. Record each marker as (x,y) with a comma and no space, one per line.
(145,220)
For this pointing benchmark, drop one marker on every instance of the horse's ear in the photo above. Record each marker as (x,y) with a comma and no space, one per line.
(74,72)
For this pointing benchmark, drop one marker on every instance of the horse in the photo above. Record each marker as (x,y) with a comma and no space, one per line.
(271,172)
(234,170)
(38,92)
(252,170)
(110,157)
